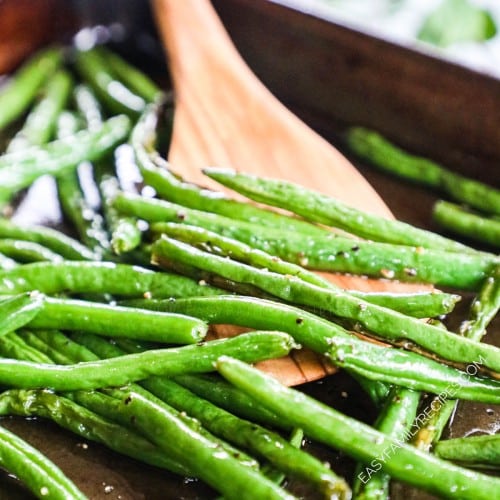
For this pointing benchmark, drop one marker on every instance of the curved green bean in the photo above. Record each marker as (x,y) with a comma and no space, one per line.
(465,223)
(374,147)
(83,422)
(42,477)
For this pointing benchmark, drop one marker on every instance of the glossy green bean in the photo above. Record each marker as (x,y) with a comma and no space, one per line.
(94,69)
(359,440)
(473,450)
(374,147)
(378,320)
(462,222)
(118,321)
(27,251)
(19,170)
(42,477)
(125,234)
(395,420)
(422,305)
(99,277)
(130,75)
(20,92)
(13,346)
(19,310)
(218,391)
(250,347)
(52,239)
(323,209)
(371,361)
(41,121)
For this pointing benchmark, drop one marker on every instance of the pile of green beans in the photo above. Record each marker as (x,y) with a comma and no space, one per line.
(106,328)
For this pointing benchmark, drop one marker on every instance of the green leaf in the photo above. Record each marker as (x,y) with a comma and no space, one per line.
(457,21)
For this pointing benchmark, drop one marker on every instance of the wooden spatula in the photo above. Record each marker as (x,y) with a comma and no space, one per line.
(224,116)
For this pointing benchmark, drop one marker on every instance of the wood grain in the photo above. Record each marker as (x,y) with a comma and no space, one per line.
(225,116)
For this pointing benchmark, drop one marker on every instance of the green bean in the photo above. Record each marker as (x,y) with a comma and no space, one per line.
(118,321)
(56,241)
(207,461)
(27,251)
(157,173)
(378,320)
(88,105)
(132,77)
(226,396)
(94,69)
(371,361)
(89,224)
(125,234)
(395,420)
(50,342)
(372,146)
(35,342)
(465,223)
(359,440)
(251,347)
(472,450)
(19,93)
(40,123)
(316,207)
(251,436)
(42,477)
(483,309)
(17,311)
(19,170)
(99,277)
(13,346)
(83,422)
(423,305)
